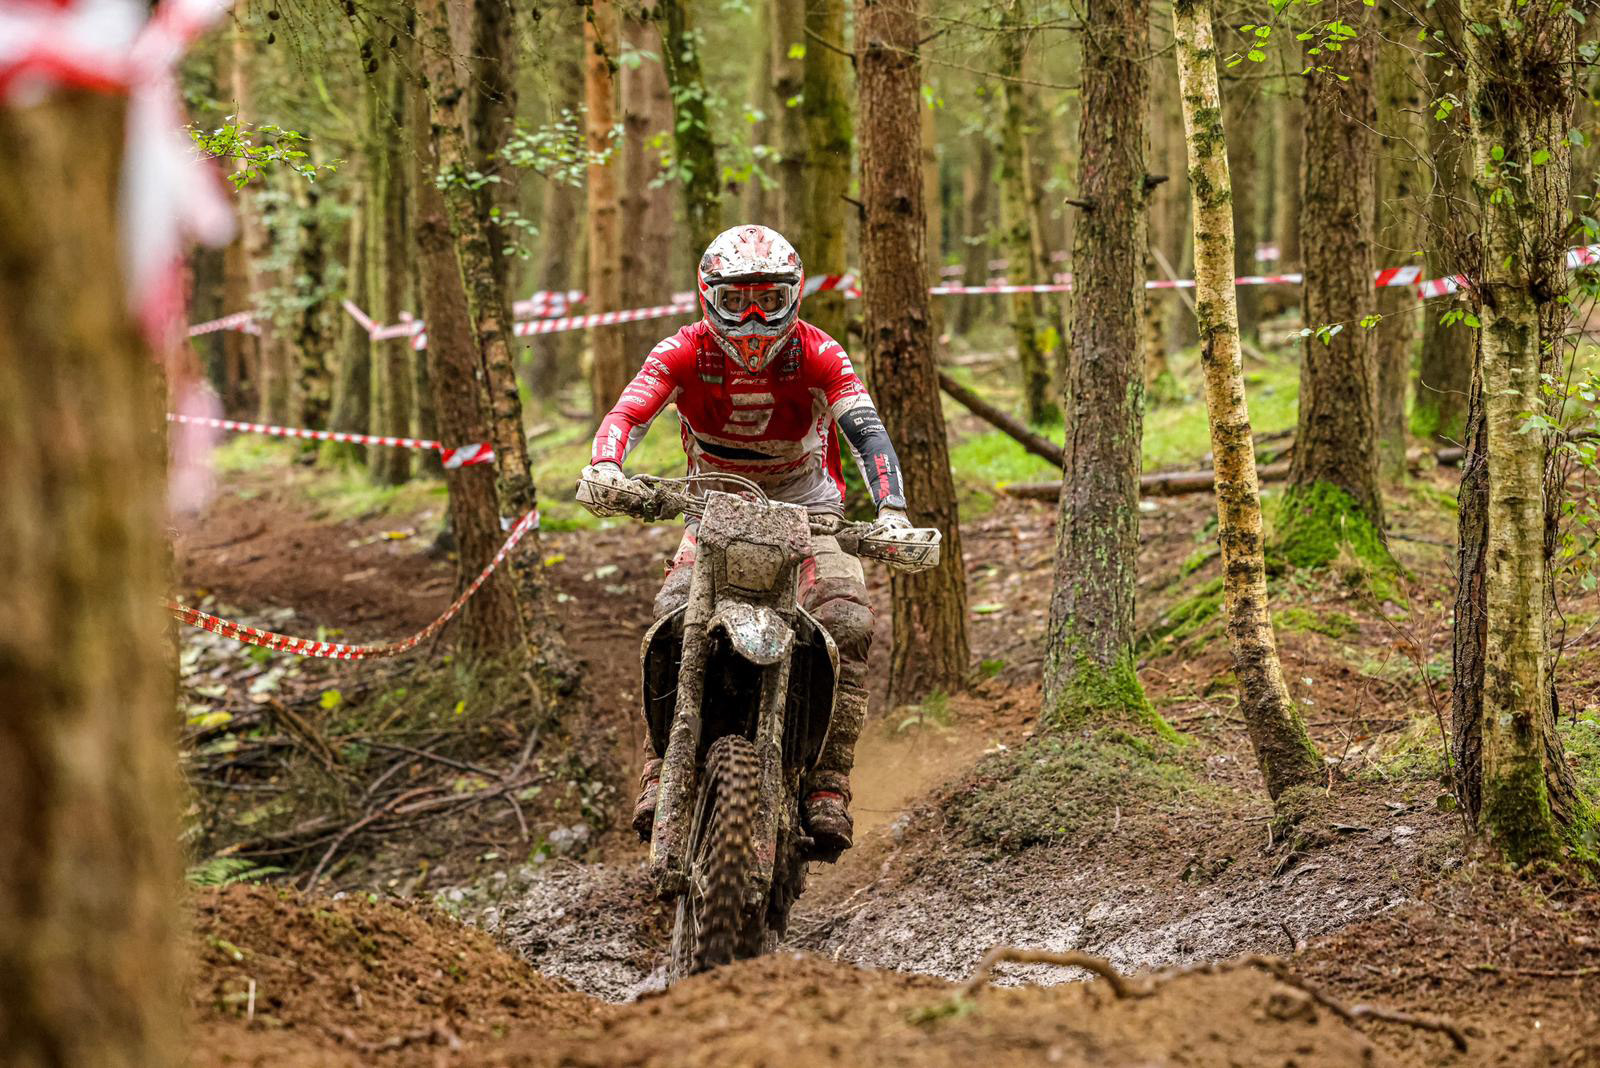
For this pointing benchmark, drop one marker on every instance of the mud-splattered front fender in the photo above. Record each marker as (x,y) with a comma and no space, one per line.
(757,633)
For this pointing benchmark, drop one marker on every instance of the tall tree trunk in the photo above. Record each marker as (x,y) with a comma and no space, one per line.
(932,199)
(930,609)
(756,202)
(608,370)
(789,46)
(352,387)
(1290,117)
(1241,103)
(1516,780)
(274,375)
(1283,749)
(491,622)
(693,139)
(977,226)
(1089,664)
(555,356)
(89,865)
(472,216)
(313,388)
(647,255)
(1167,211)
(830,137)
(1031,328)
(393,379)
(1444,374)
(1401,227)
(1333,499)
(242,351)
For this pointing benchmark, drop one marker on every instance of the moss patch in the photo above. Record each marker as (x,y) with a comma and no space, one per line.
(1331,623)
(1095,695)
(1416,753)
(1055,786)
(1320,525)
(1186,619)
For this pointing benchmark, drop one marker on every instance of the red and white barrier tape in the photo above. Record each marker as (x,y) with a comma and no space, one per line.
(244,322)
(285,643)
(460,456)
(580,322)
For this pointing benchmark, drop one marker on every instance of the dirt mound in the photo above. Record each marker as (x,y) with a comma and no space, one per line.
(801,1010)
(283,979)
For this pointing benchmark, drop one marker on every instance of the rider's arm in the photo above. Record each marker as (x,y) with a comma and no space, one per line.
(652,389)
(858,421)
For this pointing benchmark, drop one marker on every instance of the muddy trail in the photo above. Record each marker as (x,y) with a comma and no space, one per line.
(975,831)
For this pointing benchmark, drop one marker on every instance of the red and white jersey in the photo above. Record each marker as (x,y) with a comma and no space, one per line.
(775,427)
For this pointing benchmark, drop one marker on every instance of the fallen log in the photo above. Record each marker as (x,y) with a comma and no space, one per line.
(1015,428)
(1158,484)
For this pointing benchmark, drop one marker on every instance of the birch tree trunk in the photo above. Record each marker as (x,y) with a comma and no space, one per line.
(608,370)
(1332,500)
(1089,663)
(830,139)
(1283,749)
(1031,329)
(89,862)
(1444,374)
(1516,781)
(930,609)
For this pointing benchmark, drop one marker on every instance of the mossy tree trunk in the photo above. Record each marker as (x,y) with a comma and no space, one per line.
(1289,115)
(930,650)
(1444,374)
(1031,329)
(694,142)
(830,138)
(1283,749)
(789,46)
(608,368)
(491,623)
(561,237)
(314,329)
(89,863)
(977,221)
(1515,778)
(1401,227)
(1332,500)
(1089,665)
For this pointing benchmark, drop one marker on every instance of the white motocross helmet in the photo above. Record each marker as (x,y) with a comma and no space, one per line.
(750,286)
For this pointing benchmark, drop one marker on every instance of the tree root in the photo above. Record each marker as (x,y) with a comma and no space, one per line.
(1277,967)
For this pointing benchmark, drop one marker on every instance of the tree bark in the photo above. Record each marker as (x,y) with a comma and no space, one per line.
(930,611)
(1444,375)
(1516,781)
(977,226)
(393,378)
(694,142)
(1089,663)
(561,263)
(491,622)
(352,387)
(608,370)
(830,138)
(312,398)
(1401,227)
(1283,749)
(1032,332)
(1290,117)
(89,862)
(789,47)
(1241,103)
(1333,498)
(647,256)
(1167,211)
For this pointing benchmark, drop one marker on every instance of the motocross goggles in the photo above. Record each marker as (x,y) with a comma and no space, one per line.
(767,301)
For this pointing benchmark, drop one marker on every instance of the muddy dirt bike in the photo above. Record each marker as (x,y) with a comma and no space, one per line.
(738,695)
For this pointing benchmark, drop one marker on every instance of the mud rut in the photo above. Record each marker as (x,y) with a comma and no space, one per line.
(1202,882)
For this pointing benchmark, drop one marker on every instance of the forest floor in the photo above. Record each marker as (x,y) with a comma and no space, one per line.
(411,798)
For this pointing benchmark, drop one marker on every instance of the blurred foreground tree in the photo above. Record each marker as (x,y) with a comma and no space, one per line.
(89,871)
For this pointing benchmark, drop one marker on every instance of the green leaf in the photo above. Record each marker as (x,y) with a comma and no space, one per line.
(1541,156)
(797,51)
(330,700)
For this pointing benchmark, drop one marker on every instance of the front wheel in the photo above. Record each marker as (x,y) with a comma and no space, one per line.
(713,918)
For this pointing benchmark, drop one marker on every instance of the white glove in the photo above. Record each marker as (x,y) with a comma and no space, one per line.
(605,490)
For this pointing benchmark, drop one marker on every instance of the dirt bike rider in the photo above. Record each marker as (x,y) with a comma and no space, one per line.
(757,388)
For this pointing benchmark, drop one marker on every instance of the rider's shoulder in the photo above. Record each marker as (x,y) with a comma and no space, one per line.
(683,345)
(817,343)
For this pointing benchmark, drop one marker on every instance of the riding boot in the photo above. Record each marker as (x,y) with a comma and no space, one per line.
(827,789)
(644,809)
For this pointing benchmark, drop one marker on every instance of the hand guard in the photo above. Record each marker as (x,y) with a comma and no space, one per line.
(903,547)
(604,490)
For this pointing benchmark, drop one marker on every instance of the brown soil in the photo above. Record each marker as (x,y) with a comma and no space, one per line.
(1374,887)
